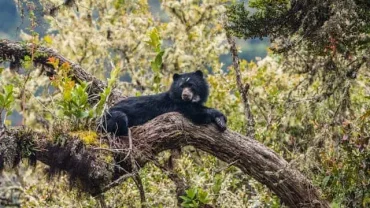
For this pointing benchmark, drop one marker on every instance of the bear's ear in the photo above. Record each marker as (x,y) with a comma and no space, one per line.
(199,73)
(175,76)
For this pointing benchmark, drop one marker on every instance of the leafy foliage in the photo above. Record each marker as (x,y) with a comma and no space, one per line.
(302,21)
(104,96)
(6,98)
(156,65)
(195,197)
(309,97)
(324,45)
(325,40)
(75,104)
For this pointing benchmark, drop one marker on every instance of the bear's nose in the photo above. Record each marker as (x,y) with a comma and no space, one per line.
(187,95)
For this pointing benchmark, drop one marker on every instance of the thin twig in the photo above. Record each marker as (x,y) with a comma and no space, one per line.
(179,182)
(101,201)
(135,169)
(227,166)
(117,182)
(243,90)
(139,184)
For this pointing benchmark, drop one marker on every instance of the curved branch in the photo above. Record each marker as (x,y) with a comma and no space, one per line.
(171,131)
(92,169)
(15,52)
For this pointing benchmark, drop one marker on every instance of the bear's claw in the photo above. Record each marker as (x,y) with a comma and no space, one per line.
(221,123)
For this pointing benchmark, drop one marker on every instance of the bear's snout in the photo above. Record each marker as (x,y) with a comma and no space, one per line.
(187,94)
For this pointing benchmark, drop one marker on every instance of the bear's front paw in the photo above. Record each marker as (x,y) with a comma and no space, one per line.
(218,118)
(221,122)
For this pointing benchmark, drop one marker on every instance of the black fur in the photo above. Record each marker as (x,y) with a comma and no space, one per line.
(188,93)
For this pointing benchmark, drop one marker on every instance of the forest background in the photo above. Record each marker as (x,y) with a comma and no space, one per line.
(307,99)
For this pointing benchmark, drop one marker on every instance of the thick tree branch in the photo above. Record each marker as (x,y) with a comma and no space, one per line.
(15,52)
(95,172)
(171,131)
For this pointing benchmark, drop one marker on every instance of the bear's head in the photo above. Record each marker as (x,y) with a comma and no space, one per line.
(189,88)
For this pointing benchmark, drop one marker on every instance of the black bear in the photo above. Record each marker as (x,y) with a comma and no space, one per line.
(188,93)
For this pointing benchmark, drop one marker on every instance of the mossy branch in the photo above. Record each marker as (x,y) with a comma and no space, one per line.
(15,53)
(170,131)
(90,168)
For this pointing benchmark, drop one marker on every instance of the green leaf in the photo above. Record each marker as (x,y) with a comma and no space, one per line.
(7,98)
(158,60)
(217,184)
(185,198)
(154,66)
(113,76)
(8,88)
(325,181)
(191,193)
(203,197)
(2,100)
(184,204)
(195,204)
(157,78)
(155,40)
(84,114)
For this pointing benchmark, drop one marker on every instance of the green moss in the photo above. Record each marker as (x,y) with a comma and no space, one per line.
(87,137)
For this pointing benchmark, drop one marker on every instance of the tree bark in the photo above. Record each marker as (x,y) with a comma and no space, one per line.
(89,166)
(171,131)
